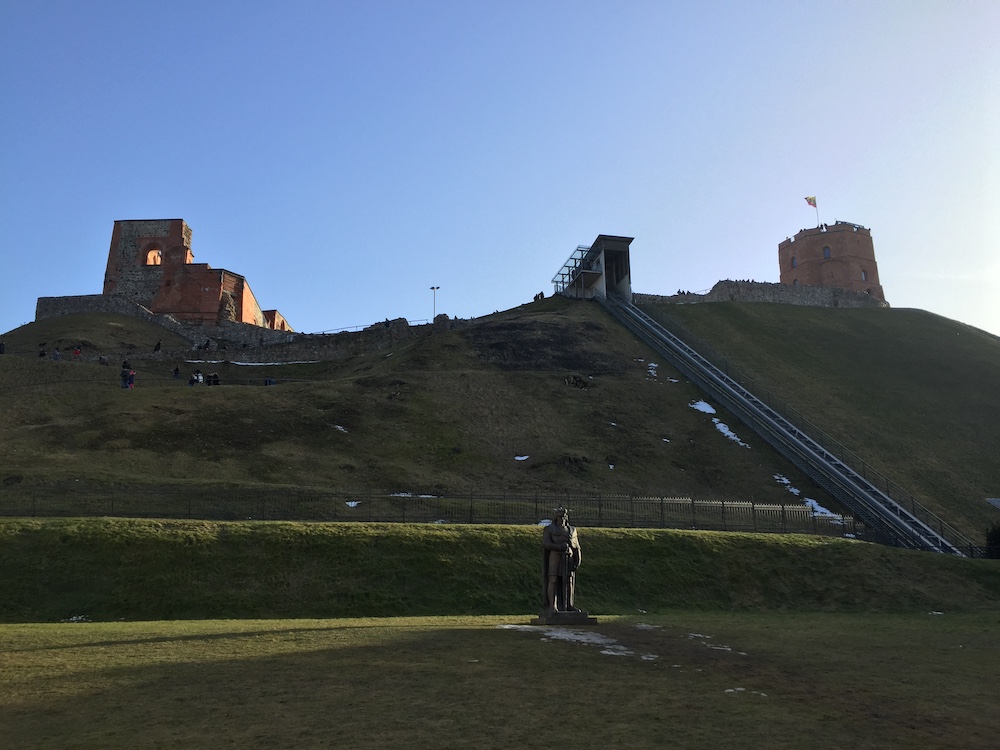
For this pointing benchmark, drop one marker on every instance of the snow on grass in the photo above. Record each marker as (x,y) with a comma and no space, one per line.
(521,458)
(725,430)
(705,408)
(817,509)
(702,406)
(249,364)
(352,503)
(609,646)
(340,427)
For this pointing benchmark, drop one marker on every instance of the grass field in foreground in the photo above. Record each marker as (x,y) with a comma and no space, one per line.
(744,680)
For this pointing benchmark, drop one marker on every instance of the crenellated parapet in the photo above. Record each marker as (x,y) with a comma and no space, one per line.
(839,255)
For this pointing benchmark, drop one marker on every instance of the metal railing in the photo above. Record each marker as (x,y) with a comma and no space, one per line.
(830,444)
(869,494)
(611,511)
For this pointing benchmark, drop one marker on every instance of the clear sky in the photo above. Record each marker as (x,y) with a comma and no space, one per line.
(347,156)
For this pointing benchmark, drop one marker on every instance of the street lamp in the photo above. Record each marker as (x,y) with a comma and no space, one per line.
(434,291)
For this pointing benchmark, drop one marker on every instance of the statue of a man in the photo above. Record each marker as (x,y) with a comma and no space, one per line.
(560,559)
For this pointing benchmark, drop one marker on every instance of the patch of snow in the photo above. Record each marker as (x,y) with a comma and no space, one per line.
(666,440)
(340,427)
(521,458)
(250,364)
(647,626)
(608,646)
(935,612)
(817,509)
(611,466)
(84,618)
(702,406)
(410,494)
(352,503)
(673,380)
(724,429)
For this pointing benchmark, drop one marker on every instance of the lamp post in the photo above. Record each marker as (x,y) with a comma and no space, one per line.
(434,291)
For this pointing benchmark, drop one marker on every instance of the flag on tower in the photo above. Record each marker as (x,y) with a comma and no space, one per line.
(811,200)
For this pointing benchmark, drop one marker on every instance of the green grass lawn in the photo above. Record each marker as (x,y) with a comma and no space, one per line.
(687,679)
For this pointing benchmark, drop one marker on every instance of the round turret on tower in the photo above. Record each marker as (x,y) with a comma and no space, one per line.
(838,255)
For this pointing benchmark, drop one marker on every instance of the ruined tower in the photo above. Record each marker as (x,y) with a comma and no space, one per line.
(836,255)
(150,262)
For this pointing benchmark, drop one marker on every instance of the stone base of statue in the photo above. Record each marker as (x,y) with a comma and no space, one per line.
(573,617)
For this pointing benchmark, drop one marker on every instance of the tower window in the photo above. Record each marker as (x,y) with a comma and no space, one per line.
(864,275)
(794,262)
(826,252)
(795,282)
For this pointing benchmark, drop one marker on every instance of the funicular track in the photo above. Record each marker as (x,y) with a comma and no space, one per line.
(891,523)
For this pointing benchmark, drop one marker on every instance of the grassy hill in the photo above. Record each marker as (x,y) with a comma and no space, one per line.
(447,413)
(913,394)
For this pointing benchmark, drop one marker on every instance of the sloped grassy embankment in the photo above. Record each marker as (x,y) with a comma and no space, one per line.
(106,569)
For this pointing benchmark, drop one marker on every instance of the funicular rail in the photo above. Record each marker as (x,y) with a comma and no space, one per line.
(889,520)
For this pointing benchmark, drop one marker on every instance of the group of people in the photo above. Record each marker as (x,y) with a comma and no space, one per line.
(56,354)
(199,378)
(127,375)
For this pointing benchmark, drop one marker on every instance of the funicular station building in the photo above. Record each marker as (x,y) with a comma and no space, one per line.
(600,270)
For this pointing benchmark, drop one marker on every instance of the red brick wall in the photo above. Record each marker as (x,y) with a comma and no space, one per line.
(851,265)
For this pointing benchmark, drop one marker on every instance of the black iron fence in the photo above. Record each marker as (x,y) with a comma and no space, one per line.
(618,511)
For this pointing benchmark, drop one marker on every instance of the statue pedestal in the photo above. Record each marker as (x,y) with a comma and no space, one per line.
(579,617)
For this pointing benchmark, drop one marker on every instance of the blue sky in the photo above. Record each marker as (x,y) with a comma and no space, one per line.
(347,156)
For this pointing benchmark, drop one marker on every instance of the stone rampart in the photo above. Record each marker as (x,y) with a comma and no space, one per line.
(757,291)
(244,342)
(307,347)
(52,307)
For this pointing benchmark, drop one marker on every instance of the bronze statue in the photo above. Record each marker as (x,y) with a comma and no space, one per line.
(561,556)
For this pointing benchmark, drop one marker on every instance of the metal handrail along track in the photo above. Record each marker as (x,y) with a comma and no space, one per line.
(894,523)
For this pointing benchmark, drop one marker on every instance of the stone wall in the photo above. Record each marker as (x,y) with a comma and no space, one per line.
(243,342)
(52,307)
(240,342)
(756,291)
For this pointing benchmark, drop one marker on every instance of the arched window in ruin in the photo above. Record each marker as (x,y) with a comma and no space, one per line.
(826,252)
(154,256)
(864,275)
(795,282)
(794,262)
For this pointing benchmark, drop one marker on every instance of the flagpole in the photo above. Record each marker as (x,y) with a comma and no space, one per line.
(811,200)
